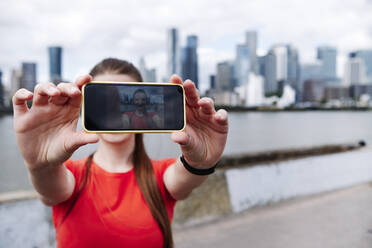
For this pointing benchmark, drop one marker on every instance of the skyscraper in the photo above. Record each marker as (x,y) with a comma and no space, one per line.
(355,71)
(173,52)
(271,84)
(55,63)
(224,76)
(366,56)
(281,57)
(148,75)
(15,81)
(28,78)
(189,59)
(311,71)
(242,64)
(328,55)
(212,81)
(261,65)
(1,89)
(293,68)
(281,66)
(251,41)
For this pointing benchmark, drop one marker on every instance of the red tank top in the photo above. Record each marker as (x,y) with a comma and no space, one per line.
(111,211)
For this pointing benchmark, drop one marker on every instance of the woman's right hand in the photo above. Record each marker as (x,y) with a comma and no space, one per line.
(46,133)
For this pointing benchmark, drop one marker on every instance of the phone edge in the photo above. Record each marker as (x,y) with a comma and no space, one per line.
(130,131)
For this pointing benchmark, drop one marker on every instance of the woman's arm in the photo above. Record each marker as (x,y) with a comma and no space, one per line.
(126,121)
(202,142)
(46,136)
(180,182)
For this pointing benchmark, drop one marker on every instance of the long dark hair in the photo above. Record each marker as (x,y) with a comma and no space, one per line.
(143,169)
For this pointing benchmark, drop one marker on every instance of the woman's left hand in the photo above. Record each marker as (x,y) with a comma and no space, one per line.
(204,138)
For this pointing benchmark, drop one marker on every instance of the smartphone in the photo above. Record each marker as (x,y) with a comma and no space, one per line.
(113,107)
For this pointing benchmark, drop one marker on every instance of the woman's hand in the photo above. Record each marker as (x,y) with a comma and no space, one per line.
(46,133)
(204,138)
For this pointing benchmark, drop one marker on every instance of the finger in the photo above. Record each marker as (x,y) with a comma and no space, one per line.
(181,138)
(71,91)
(80,81)
(207,106)
(192,95)
(59,100)
(20,99)
(175,79)
(68,90)
(79,139)
(221,117)
(43,91)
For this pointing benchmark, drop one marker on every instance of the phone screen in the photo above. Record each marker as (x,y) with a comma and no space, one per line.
(133,107)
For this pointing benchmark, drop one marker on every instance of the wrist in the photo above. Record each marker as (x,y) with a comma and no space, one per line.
(193,169)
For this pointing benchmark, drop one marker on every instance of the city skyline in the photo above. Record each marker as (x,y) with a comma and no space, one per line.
(346,26)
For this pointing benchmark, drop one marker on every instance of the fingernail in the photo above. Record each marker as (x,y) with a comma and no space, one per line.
(25,94)
(52,91)
(73,90)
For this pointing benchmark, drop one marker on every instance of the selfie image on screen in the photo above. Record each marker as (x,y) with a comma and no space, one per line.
(133,107)
(142,108)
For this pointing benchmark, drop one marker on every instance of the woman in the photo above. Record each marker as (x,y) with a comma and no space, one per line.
(140,118)
(117,197)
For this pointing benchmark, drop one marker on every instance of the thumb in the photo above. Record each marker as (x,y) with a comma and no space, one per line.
(185,140)
(79,139)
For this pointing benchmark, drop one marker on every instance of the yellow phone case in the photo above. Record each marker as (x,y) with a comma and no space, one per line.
(132,131)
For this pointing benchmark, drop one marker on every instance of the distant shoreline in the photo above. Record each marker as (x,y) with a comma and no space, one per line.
(9,111)
(292,109)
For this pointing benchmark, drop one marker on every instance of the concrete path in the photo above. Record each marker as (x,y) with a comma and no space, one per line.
(339,219)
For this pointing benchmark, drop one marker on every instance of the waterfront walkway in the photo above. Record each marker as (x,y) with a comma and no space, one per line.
(341,218)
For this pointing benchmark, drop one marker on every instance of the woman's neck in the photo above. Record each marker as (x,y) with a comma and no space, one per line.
(115,157)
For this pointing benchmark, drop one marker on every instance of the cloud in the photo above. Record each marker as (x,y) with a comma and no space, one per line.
(92,30)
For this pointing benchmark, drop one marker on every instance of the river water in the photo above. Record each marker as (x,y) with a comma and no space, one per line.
(249,132)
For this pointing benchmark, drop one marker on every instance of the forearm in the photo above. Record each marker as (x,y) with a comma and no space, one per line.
(180,182)
(53,184)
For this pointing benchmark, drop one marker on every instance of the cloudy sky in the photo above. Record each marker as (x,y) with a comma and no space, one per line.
(92,30)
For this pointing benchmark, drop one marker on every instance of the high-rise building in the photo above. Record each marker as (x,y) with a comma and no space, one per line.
(281,57)
(189,59)
(252,93)
(281,67)
(148,75)
(224,76)
(28,78)
(55,63)
(355,71)
(212,81)
(1,89)
(293,68)
(151,75)
(312,70)
(173,52)
(271,84)
(242,65)
(366,56)
(261,65)
(15,81)
(251,41)
(328,56)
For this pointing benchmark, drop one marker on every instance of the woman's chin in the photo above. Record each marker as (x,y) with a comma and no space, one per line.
(115,138)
